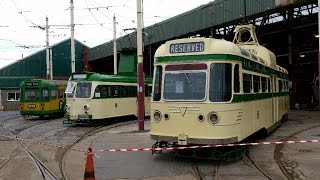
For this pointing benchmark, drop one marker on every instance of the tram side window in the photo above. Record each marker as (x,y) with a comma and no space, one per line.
(236,78)
(124,91)
(157,83)
(256,83)
(280,86)
(53,94)
(220,82)
(147,90)
(263,84)
(115,91)
(132,91)
(247,83)
(45,94)
(269,85)
(60,94)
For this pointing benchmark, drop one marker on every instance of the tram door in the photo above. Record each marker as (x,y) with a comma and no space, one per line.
(274,98)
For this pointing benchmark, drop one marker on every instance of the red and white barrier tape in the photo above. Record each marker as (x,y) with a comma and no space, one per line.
(172,148)
(42,143)
(209,146)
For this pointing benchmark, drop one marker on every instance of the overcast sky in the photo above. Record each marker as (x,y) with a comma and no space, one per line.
(20,34)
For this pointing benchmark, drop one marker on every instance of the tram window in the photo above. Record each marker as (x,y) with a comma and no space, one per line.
(247,83)
(256,83)
(83,90)
(157,83)
(220,82)
(263,84)
(60,94)
(31,94)
(184,85)
(132,91)
(236,79)
(269,85)
(147,90)
(45,94)
(124,91)
(115,91)
(53,94)
(280,86)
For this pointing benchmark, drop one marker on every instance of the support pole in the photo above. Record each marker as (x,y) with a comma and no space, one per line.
(290,49)
(115,62)
(73,61)
(319,51)
(51,64)
(47,48)
(140,87)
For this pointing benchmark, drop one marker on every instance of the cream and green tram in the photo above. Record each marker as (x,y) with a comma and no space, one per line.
(212,91)
(96,97)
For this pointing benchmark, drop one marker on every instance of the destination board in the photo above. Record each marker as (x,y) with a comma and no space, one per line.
(187,47)
(32,83)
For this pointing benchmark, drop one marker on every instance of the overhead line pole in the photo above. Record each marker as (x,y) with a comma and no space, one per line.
(73,61)
(115,62)
(140,85)
(47,49)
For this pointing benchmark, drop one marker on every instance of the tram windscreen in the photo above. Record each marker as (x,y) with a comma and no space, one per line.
(83,90)
(184,86)
(31,94)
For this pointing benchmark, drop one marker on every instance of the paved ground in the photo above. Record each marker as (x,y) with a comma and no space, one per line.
(301,160)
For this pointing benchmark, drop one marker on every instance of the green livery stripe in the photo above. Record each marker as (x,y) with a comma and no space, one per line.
(252,97)
(40,113)
(247,64)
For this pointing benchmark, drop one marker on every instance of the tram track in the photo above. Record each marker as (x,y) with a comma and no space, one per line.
(43,170)
(251,162)
(95,130)
(278,155)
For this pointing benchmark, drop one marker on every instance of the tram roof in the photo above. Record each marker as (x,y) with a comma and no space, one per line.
(43,82)
(113,78)
(214,46)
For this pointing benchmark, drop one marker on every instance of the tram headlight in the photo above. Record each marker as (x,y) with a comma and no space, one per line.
(86,107)
(213,118)
(157,116)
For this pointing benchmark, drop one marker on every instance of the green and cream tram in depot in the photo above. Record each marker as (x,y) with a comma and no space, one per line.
(212,91)
(97,97)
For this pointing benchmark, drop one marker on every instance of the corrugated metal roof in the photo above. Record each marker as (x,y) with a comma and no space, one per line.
(13,82)
(202,17)
(35,64)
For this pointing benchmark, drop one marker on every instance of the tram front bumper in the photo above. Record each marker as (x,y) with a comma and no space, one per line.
(184,140)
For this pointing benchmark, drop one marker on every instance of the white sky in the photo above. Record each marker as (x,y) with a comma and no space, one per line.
(19,18)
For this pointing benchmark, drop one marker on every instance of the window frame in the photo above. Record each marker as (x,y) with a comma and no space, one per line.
(15,96)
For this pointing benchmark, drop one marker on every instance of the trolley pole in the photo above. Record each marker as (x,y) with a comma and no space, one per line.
(115,62)
(73,61)
(140,87)
(47,48)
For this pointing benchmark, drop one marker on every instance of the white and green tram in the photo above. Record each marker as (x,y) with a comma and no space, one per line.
(212,91)
(93,96)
